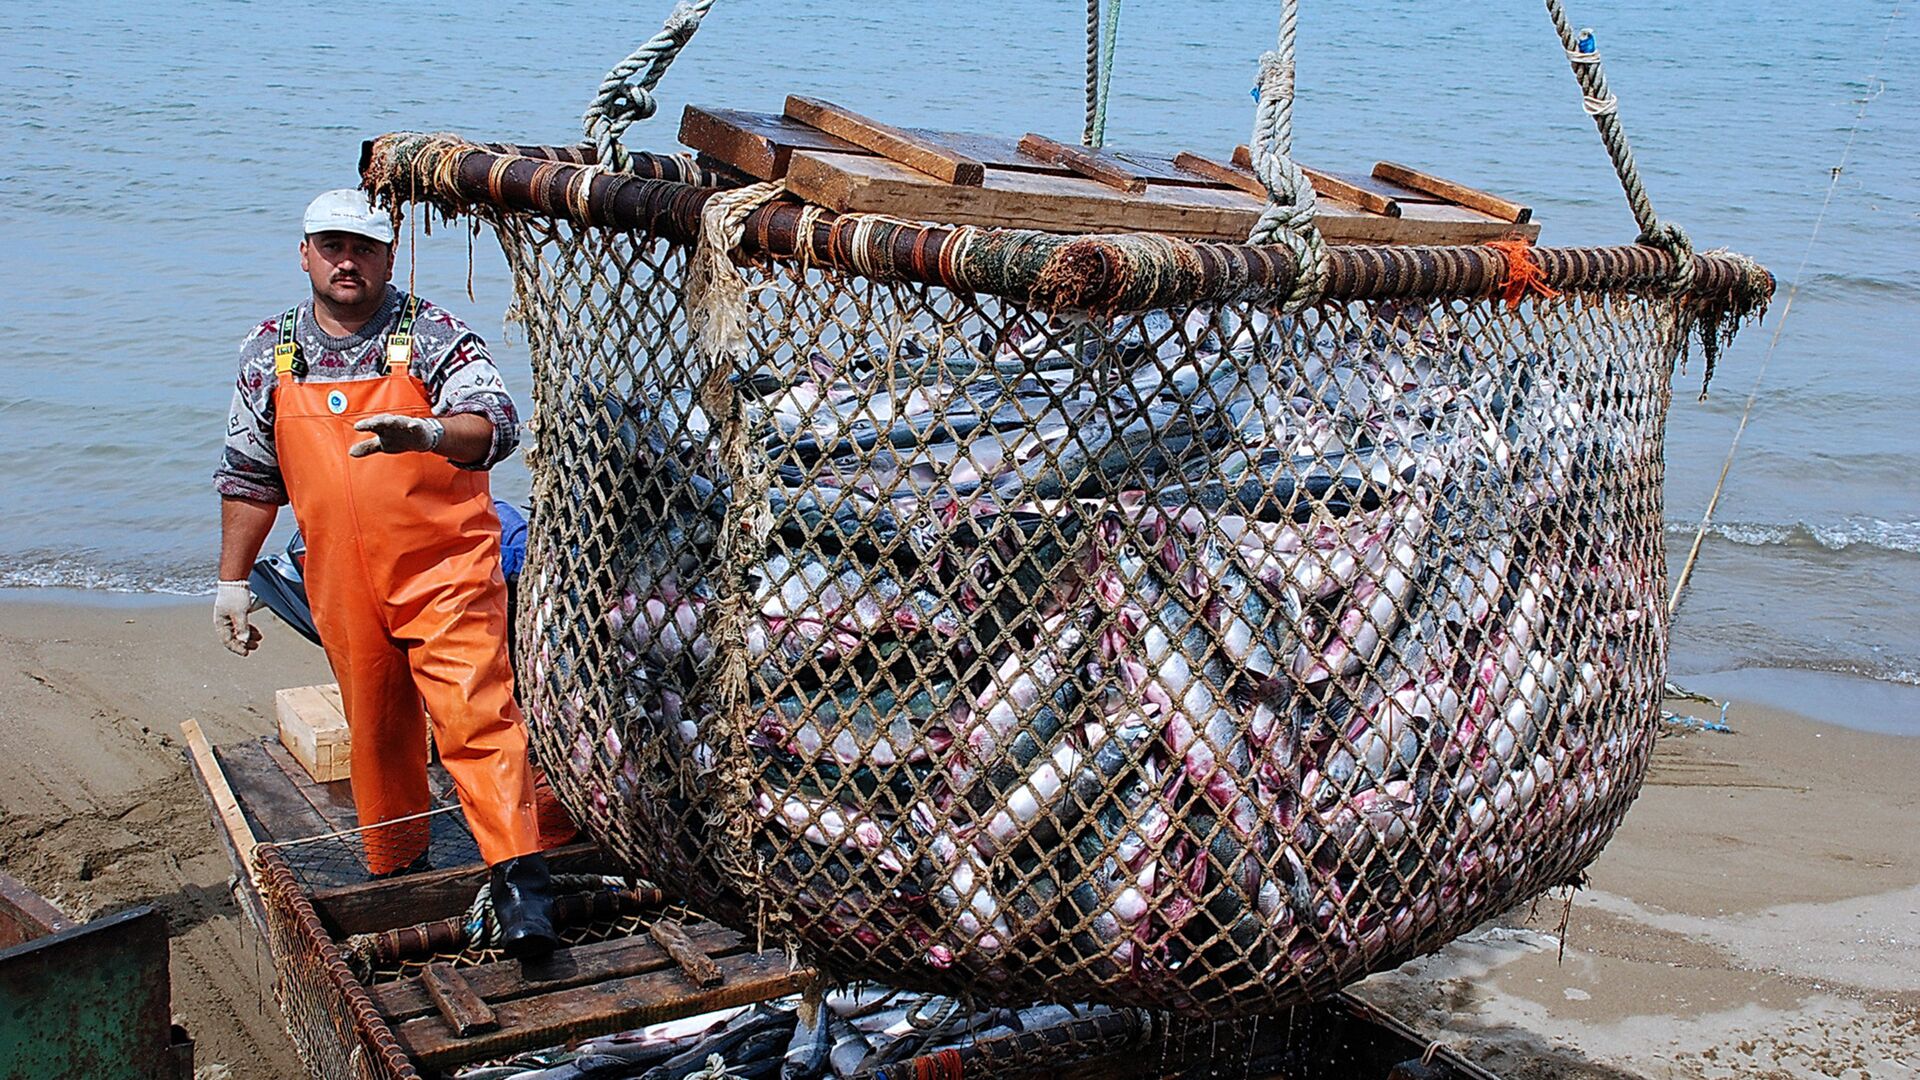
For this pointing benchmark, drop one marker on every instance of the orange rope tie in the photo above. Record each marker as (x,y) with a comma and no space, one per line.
(944,1065)
(1524,276)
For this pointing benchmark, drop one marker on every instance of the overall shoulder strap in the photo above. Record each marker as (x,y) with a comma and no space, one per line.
(286,351)
(400,341)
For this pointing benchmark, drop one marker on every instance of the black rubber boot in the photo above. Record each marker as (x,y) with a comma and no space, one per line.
(419,865)
(523,906)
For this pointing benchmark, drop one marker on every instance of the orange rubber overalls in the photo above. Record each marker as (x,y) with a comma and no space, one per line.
(403,574)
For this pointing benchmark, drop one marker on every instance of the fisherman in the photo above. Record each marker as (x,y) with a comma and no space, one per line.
(378,415)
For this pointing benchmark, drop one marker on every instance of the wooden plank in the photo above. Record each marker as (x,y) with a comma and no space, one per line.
(1399,193)
(697,966)
(612,1005)
(1012,199)
(905,147)
(1443,223)
(755,143)
(1091,164)
(231,824)
(225,806)
(1224,174)
(580,965)
(1331,185)
(245,891)
(373,906)
(332,801)
(459,1006)
(1016,199)
(760,145)
(1472,198)
(314,729)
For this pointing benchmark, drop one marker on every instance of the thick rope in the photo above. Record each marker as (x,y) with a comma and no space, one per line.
(622,100)
(1288,218)
(1093,72)
(1099,70)
(1605,110)
(717,314)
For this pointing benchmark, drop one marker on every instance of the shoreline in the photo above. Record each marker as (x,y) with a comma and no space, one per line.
(1753,916)
(1857,702)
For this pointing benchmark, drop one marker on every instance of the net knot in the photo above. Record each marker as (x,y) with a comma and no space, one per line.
(1288,217)
(1524,276)
(716,293)
(1673,240)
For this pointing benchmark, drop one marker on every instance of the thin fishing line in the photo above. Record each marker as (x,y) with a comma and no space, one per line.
(1875,87)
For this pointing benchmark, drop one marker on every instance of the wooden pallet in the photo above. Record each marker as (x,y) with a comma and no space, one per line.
(445,1017)
(850,163)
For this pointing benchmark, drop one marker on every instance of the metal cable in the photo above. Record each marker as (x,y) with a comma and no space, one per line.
(1108,36)
(1833,181)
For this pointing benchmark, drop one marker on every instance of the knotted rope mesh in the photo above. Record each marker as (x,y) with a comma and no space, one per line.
(1205,658)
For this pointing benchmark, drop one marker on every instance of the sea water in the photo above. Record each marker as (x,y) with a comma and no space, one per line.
(154,160)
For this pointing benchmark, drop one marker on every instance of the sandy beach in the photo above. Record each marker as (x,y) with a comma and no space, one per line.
(1755,916)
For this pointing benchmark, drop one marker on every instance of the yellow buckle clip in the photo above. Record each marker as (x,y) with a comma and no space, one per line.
(399,351)
(283,358)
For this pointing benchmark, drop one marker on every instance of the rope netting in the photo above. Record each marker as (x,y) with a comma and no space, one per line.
(1203,654)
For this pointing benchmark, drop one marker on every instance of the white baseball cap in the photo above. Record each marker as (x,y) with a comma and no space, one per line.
(348,210)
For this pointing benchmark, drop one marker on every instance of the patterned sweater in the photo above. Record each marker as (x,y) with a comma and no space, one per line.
(447,356)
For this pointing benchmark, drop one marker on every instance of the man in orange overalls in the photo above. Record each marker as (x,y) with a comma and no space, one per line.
(377,416)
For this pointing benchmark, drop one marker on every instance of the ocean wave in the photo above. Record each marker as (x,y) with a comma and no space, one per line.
(70,574)
(1872,534)
(1853,284)
(1896,673)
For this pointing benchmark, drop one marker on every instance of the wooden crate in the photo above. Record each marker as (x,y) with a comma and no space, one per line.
(313,728)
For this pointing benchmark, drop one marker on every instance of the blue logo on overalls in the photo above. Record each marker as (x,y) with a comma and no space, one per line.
(336,401)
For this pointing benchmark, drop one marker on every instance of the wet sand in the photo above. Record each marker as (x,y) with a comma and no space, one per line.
(1758,914)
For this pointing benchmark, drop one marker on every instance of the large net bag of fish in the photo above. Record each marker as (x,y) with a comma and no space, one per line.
(1047,617)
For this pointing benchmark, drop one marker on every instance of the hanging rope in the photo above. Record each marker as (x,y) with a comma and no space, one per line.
(1799,273)
(623,100)
(1584,55)
(1093,73)
(1288,219)
(1099,70)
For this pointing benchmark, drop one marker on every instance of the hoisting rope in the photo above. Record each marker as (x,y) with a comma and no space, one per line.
(1099,70)
(1288,218)
(1875,88)
(622,99)
(1584,56)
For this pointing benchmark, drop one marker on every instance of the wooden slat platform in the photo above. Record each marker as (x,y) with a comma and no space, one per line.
(1038,183)
(503,1007)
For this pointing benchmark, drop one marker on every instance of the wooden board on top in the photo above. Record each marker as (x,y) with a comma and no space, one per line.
(1044,191)
(1066,203)
(761,145)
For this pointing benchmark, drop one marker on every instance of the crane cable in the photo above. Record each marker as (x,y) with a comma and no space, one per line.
(1875,87)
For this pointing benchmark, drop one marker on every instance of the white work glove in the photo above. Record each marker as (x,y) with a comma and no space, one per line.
(395,434)
(231,602)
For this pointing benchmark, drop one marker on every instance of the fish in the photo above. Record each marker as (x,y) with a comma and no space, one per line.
(1149,641)
(807,1050)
